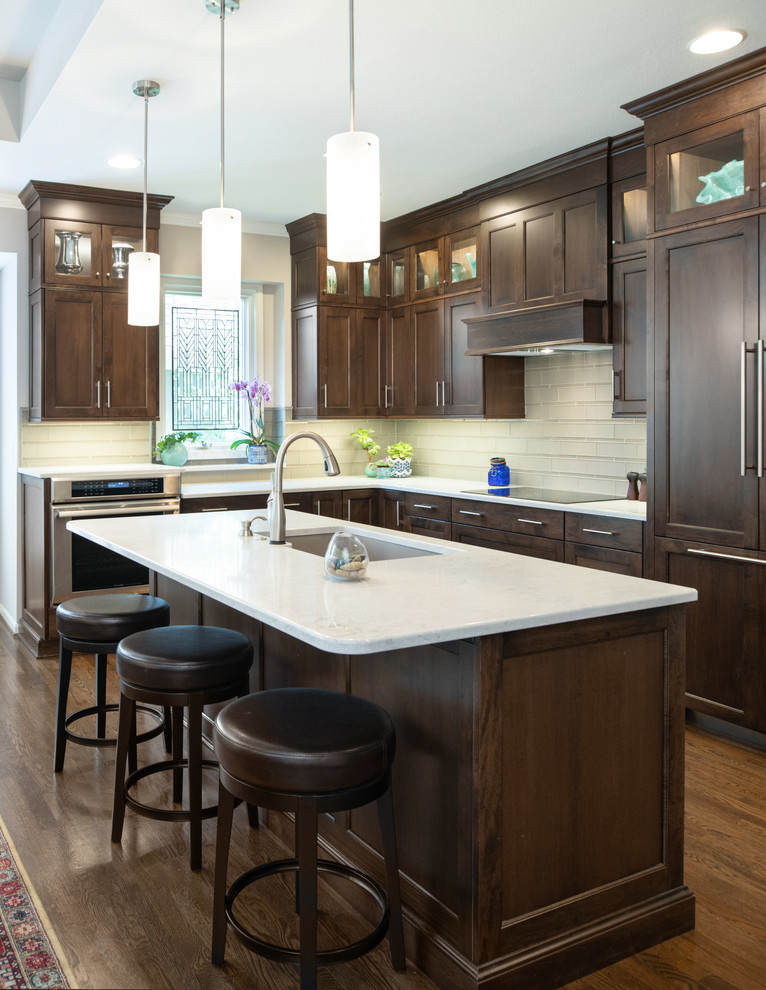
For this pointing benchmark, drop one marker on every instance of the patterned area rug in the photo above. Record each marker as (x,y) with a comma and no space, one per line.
(30,955)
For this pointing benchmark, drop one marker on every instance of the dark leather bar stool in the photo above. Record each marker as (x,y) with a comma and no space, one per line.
(96,624)
(181,667)
(307,751)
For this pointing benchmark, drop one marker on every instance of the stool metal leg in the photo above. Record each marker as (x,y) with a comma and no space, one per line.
(387,824)
(65,671)
(222,843)
(307,890)
(101,694)
(178,754)
(195,784)
(168,729)
(125,735)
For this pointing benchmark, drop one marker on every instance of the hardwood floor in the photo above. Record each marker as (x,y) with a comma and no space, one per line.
(133,915)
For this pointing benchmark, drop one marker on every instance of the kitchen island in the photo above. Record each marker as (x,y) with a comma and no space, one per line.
(539,715)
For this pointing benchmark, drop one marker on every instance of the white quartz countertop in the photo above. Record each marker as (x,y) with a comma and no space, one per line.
(457,592)
(100,471)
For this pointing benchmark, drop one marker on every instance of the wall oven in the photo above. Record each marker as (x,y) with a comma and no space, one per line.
(80,566)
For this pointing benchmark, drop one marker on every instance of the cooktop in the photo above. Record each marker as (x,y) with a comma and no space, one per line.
(544,495)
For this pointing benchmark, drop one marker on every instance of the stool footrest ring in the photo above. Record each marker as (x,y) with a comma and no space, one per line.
(160,814)
(101,741)
(281,953)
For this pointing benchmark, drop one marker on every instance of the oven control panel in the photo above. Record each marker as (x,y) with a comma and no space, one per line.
(66,490)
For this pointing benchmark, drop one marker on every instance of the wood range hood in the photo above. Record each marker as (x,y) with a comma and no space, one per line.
(574,326)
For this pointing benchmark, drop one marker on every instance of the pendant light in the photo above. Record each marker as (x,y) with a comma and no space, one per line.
(143,265)
(353,185)
(222,226)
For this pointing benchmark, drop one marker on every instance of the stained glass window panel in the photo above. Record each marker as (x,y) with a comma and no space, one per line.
(206,358)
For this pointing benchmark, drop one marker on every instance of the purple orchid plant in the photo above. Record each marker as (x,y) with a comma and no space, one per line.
(256,392)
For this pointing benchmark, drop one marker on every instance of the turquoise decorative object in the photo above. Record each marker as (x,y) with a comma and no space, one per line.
(459,274)
(175,456)
(257,453)
(384,471)
(371,470)
(727,182)
(472,264)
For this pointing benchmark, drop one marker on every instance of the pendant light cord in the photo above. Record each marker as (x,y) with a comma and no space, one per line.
(223,21)
(146,158)
(351,60)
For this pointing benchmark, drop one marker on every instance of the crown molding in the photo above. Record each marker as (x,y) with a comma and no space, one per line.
(172,219)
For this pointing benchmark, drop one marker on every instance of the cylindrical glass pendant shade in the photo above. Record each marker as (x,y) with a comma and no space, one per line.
(353,196)
(221,254)
(143,289)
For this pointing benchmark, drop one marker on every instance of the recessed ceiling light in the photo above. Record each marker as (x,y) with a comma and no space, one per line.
(124,161)
(716,41)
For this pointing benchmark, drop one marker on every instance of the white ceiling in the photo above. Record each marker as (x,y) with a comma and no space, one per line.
(458,92)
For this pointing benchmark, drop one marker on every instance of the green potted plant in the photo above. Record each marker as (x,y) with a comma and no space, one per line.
(171,448)
(363,436)
(401,458)
(255,393)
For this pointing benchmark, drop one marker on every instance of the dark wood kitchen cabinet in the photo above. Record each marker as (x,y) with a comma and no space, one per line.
(449,382)
(444,264)
(605,543)
(550,253)
(86,361)
(522,529)
(707,514)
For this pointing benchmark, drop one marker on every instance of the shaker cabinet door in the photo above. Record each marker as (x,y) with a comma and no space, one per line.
(72,354)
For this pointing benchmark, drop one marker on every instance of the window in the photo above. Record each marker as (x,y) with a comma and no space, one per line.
(205,348)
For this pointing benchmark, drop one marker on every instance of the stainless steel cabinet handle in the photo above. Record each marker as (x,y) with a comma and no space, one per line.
(224,508)
(742,408)
(397,514)
(108,395)
(417,505)
(325,395)
(98,395)
(467,512)
(726,556)
(437,395)
(385,396)
(532,522)
(444,394)
(292,505)
(318,504)
(348,514)
(600,532)
(759,403)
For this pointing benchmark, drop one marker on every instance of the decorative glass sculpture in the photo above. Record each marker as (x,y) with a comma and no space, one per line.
(68,262)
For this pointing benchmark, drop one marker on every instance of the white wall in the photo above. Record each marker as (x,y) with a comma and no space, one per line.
(14,267)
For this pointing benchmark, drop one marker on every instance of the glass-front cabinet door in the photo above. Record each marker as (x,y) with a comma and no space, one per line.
(117,245)
(426,273)
(629,216)
(397,272)
(72,253)
(370,283)
(460,251)
(337,279)
(710,172)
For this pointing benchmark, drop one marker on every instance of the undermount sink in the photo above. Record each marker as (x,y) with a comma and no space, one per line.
(317,544)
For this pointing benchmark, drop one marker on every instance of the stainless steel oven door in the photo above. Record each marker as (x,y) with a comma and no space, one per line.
(82,567)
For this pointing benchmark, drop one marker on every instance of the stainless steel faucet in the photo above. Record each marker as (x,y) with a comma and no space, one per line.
(276,499)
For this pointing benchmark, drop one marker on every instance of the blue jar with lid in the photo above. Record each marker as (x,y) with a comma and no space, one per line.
(499,473)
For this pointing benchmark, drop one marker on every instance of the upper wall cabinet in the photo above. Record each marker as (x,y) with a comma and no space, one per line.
(445,264)
(86,361)
(555,252)
(709,172)
(629,216)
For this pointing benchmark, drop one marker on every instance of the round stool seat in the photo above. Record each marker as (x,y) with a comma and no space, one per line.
(109,618)
(184,658)
(304,740)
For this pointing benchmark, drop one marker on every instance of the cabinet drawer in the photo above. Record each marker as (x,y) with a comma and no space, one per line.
(605,531)
(604,559)
(221,503)
(427,506)
(525,519)
(496,539)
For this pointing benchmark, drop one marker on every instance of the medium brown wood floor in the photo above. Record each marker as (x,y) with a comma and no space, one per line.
(134,915)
